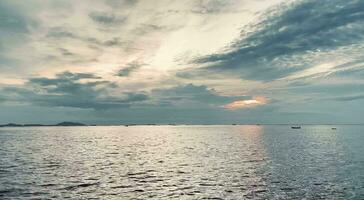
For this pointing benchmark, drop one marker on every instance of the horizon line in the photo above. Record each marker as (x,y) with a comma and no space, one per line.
(162,124)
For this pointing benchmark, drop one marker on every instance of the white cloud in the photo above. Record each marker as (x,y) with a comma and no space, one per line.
(101,36)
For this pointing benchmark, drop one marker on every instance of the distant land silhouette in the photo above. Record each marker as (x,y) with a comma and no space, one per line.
(59,124)
(66,123)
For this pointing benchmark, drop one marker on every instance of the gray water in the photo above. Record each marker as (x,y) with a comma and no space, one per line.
(182,162)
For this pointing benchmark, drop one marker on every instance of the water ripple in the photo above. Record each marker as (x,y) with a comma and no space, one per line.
(182,162)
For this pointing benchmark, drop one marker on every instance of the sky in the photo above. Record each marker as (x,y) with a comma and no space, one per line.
(184,62)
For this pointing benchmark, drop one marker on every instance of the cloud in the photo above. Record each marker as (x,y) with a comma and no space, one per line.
(352,69)
(250,103)
(113,42)
(60,32)
(192,96)
(318,70)
(215,7)
(324,88)
(280,43)
(66,33)
(76,90)
(349,98)
(121,3)
(12,21)
(99,33)
(107,19)
(209,7)
(87,91)
(305,54)
(143,29)
(15,28)
(129,68)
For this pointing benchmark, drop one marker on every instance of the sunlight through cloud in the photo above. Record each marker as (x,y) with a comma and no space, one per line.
(250,103)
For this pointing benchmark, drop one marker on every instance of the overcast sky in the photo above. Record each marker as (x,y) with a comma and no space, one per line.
(182,61)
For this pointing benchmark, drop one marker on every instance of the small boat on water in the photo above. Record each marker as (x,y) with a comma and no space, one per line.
(296,127)
(333,128)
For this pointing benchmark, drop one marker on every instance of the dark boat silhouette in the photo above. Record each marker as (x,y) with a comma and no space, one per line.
(296,127)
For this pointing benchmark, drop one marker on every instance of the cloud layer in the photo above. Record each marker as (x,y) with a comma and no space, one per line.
(76,90)
(209,61)
(290,38)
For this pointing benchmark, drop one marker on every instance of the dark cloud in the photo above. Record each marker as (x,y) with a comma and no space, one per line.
(71,90)
(65,76)
(65,52)
(129,68)
(192,95)
(66,33)
(107,19)
(113,42)
(286,31)
(143,29)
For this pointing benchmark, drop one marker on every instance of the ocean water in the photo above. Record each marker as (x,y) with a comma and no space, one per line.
(182,162)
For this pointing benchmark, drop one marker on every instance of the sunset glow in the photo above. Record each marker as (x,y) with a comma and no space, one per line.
(250,103)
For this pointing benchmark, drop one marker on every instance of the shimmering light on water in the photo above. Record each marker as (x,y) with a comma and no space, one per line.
(182,162)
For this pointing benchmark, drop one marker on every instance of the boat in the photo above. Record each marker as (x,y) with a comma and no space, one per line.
(296,127)
(333,128)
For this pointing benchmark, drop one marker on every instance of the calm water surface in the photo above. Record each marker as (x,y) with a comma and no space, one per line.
(182,162)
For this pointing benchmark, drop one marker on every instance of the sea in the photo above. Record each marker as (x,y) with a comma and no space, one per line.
(182,162)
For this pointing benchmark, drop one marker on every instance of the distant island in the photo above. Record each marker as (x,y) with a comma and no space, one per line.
(70,124)
(30,125)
